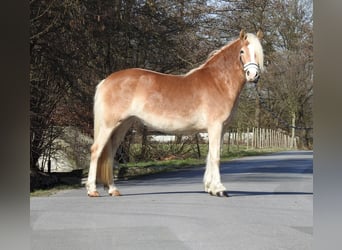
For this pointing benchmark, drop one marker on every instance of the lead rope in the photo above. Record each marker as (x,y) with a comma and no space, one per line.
(274,115)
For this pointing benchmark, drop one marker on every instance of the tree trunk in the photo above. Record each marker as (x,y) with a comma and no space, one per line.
(143,144)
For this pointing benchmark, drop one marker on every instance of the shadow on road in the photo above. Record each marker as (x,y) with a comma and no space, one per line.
(231,193)
(256,193)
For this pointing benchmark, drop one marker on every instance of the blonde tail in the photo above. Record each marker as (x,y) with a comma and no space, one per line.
(105,166)
(104,173)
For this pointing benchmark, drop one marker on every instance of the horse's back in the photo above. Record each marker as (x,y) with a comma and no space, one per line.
(166,102)
(147,84)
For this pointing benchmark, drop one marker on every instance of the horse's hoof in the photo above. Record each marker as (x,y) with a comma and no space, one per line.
(115,193)
(93,194)
(220,194)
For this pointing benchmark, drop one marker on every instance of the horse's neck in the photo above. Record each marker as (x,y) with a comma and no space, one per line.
(226,69)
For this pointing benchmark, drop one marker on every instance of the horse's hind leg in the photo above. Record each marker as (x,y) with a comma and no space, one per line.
(96,151)
(117,137)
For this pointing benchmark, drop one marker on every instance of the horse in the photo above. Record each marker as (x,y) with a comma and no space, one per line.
(202,100)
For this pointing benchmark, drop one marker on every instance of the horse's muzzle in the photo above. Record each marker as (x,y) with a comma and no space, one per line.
(256,79)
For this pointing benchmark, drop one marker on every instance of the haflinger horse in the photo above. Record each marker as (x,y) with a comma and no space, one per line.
(202,100)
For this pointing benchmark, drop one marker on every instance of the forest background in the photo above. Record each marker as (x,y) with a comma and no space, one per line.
(75,44)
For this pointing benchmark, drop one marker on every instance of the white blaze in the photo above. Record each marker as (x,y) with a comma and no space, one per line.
(251,72)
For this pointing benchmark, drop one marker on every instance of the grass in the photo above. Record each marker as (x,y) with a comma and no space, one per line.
(135,169)
(225,156)
(52,191)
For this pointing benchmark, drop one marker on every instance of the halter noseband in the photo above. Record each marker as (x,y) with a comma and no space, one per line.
(251,65)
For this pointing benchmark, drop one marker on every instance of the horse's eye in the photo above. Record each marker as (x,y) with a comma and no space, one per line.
(241,52)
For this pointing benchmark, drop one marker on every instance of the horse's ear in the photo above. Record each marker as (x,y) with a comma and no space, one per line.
(260,34)
(242,34)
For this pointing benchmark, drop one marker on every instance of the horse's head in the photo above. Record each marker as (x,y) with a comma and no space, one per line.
(251,55)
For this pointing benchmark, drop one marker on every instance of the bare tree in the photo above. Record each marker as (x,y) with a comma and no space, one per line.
(286,86)
(46,89)
(73,45)
(289,81)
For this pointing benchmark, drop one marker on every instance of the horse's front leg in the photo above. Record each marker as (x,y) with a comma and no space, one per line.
(91,183)
(212,178)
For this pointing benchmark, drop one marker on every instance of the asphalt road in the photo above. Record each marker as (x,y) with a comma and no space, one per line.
(270,208)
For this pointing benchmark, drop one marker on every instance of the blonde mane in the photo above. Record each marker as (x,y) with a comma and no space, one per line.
(251,38)
(211,55)
(255,42)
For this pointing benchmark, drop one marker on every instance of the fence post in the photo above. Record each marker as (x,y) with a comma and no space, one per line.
(252,144)
(198,147)
(228,142)
(247,138)
(256,137)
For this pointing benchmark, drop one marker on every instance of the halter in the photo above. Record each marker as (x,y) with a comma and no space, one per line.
(251,65)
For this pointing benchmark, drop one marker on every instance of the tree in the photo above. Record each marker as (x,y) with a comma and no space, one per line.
(46,85)
(289,81)
(73,45)
(286,86)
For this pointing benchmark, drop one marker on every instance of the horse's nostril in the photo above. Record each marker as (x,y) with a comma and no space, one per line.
(247,73)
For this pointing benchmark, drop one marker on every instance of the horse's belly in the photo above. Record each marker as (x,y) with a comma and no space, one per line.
(176,124)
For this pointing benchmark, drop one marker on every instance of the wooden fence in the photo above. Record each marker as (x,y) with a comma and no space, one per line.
(74,154)
(165,146)
(250,138)
(258,138)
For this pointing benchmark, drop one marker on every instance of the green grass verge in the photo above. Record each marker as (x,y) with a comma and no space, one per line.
(52,191)
(227,156)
